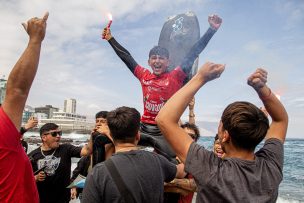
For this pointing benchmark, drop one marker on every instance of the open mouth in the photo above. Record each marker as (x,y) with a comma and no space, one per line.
(158,67)
(219,152)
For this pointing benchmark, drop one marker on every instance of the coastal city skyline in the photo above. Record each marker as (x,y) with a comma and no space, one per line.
(76,63)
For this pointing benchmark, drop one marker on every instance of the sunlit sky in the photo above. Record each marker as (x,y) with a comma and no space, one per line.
(76,63)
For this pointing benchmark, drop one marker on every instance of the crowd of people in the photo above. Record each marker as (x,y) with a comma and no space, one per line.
(117,167)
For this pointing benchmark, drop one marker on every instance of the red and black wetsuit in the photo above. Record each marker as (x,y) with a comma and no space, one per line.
(158,89)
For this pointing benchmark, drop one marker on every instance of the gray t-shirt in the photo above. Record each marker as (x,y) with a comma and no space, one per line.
(236,180)
(144,173)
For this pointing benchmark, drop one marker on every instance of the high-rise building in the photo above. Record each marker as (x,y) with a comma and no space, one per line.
(70,106)
(2,89)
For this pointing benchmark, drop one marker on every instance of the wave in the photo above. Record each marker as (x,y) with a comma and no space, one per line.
(284,200)
(76,136)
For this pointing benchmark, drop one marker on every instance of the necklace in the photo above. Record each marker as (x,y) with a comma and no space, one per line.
(47,155)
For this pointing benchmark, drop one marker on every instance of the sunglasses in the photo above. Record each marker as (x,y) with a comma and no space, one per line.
(54,134)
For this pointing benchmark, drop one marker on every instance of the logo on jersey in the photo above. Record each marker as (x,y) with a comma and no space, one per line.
(146,82)
(153,108)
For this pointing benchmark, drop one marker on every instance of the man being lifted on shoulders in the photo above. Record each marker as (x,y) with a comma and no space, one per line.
(161,84)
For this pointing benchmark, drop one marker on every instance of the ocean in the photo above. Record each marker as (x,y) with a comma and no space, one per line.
(292,187)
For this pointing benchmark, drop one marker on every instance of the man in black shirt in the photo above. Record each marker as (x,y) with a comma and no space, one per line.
(55,160)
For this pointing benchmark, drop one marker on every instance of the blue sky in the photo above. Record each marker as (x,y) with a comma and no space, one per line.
(76,63)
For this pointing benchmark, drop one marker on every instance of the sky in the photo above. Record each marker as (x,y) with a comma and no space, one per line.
(76,63)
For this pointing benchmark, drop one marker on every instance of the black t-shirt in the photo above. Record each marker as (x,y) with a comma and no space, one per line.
(58,172)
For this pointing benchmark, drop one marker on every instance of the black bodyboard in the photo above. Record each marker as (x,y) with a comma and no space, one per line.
(178,35)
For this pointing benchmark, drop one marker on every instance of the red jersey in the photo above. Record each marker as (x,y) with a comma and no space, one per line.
(187,198)
(17,182)
(157,89)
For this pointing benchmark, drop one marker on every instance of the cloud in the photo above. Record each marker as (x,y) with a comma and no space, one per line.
(293,12)
(76,63)
(253,46)
(297,102)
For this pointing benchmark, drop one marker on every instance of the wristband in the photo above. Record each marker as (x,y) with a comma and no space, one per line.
(22,130)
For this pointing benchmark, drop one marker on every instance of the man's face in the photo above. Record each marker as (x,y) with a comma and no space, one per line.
(101,126)
(100,121)
(52,138)
(217,148)
(159,64)
(191,133)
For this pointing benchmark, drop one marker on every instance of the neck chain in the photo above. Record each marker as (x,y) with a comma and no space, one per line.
(47,155)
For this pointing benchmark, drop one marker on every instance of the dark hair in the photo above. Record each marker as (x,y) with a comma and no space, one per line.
(124,124)
(47,127)
(192,127)
(157,50)
(101,114)
(216,137)
(246,124)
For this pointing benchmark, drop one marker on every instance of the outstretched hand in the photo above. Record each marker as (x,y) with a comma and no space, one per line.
(31,123)
(36,27)
(40,176)
(215,21)
(106,34)
(210,71)
(258,79)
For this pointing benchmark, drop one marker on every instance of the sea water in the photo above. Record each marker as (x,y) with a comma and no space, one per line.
(291,189)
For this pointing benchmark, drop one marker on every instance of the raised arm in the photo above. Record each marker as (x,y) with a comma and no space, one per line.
(276,110)
(215,23)
(169,115)
(21,77)
(121,52)
(87,149)
(31,123)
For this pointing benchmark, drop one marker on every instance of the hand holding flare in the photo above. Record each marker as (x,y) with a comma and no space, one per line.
(108,27)
(110,20)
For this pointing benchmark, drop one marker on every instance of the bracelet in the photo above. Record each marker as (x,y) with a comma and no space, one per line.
(22,130)
(192,115)
(263,98)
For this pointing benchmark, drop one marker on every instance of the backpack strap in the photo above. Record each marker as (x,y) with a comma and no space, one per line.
(120,184)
